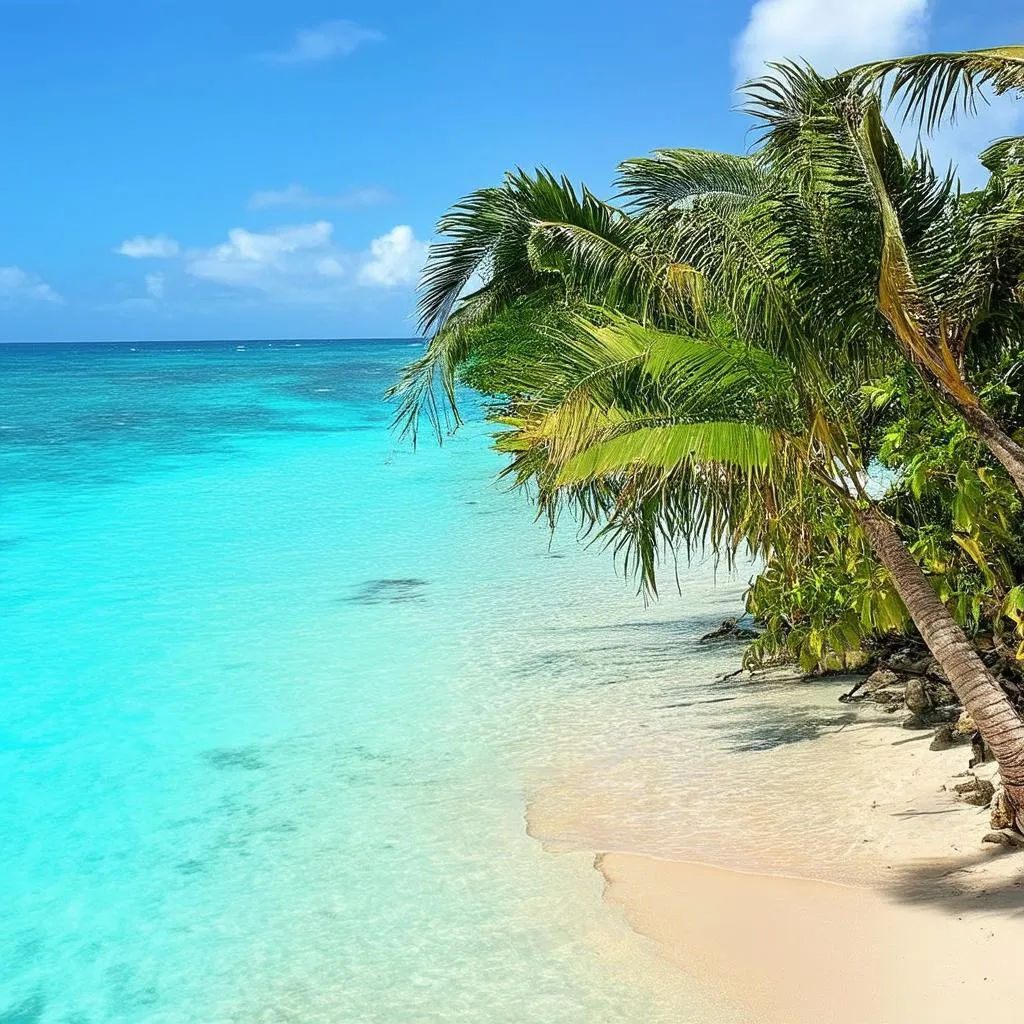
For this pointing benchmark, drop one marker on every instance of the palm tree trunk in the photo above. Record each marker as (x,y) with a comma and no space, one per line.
(999,443)
(979,692)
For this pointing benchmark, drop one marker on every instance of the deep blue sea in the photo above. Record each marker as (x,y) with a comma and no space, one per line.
(276,692)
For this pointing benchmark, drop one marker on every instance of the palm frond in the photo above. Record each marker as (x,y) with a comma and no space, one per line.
(426,385)
(670,179)
(615,267)
(663,447)
(935,87)
(493,234)
(1003,155)
(472,227)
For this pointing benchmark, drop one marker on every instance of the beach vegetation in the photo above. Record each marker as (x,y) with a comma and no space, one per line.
(809,354)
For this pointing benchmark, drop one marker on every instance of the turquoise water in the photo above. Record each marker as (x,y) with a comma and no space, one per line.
(274,693)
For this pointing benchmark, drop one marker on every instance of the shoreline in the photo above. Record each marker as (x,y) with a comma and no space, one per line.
(846,883)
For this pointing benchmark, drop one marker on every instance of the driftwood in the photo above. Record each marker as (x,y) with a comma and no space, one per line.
(844,697)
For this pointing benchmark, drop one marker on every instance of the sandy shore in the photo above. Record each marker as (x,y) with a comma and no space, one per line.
(849,884)
(798,951)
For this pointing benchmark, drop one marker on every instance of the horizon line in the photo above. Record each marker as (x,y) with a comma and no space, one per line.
(206,341)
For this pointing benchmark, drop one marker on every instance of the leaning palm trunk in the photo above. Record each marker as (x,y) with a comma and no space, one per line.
(949,381)
(1005,449)
(946,377)
(979,692)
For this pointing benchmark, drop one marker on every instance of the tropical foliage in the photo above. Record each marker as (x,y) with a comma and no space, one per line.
(811,354)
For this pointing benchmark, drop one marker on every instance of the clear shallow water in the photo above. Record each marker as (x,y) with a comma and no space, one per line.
(275,693)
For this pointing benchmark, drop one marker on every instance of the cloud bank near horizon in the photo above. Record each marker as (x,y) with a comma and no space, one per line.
(294,262)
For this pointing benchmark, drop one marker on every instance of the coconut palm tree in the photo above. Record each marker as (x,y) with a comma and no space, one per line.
(944,285)
(664,439)
(534,235)
(830,232)
(785,246)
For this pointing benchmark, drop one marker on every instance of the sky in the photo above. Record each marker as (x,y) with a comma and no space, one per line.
(176,170)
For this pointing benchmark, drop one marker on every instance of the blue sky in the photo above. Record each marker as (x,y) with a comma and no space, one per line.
(184,170)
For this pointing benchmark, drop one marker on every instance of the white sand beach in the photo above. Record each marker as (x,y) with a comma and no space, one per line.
(838,878)
(799,951)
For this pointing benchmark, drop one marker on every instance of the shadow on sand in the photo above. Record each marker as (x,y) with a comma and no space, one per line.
(948,885)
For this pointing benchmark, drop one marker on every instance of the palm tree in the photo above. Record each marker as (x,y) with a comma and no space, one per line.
(664,439)
(830,226)
(534,235)
(786,245)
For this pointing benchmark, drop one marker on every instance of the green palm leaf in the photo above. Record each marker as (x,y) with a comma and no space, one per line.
(671,179)
(932,87)
(745,447)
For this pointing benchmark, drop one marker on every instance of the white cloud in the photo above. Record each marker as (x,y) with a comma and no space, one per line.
(155,285)
(300,196)
(396,258)
(286,261)
(290,263)
(17,285)
(140,247)
(830,34)
(329,39)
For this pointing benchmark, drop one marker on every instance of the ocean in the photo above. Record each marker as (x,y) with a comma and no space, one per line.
(277,693)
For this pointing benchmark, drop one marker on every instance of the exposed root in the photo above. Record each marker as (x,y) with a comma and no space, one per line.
(1013,840)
